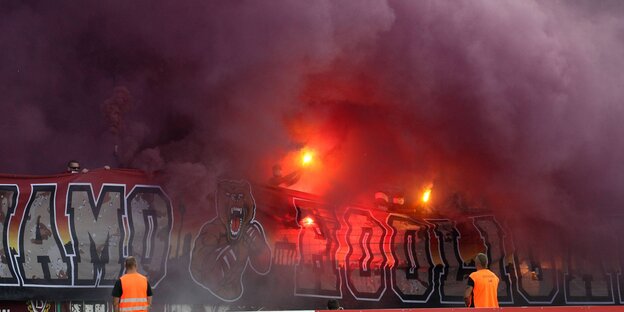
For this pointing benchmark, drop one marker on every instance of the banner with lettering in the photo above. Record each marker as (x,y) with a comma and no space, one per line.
(64,238)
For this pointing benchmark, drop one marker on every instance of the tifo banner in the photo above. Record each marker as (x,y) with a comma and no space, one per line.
(73,231)
(65,237)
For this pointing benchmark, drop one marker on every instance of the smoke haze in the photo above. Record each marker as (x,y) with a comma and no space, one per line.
(514,103)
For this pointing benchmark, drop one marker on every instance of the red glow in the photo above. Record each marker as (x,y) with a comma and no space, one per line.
(306,158)
(426,195)
(307,221)
(312,165)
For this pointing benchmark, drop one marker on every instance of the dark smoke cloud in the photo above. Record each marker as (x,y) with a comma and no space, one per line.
(513,103)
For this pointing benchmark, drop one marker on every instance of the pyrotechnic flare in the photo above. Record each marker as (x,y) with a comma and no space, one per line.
(307,221)
(426,195)
(307,158)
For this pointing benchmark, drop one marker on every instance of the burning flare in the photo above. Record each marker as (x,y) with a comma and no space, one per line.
(307,157)
(307,221)
(426,195)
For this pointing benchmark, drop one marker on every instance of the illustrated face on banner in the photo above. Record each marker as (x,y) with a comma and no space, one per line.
(236,207)
(220,259)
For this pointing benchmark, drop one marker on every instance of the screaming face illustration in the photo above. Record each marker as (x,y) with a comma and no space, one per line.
(236,207)
(228,243)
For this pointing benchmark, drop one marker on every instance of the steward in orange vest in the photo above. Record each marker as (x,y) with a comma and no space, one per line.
(482,288)
(132,291)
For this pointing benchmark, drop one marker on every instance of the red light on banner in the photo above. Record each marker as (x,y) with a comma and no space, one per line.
(307,221)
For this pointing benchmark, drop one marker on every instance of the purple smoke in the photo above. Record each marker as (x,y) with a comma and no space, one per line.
(514,103)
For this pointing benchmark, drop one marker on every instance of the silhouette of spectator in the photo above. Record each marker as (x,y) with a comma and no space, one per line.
(278,179)
(333,304)
(73,166)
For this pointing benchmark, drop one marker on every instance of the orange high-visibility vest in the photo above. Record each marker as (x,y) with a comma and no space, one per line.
(134,293)
(485,289)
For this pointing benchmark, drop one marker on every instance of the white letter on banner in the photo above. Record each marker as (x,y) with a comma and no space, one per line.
(96,230)
(150,217)
(40,258)
(8,202)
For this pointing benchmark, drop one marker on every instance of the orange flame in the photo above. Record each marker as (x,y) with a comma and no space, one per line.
(426,195)
(306,158)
